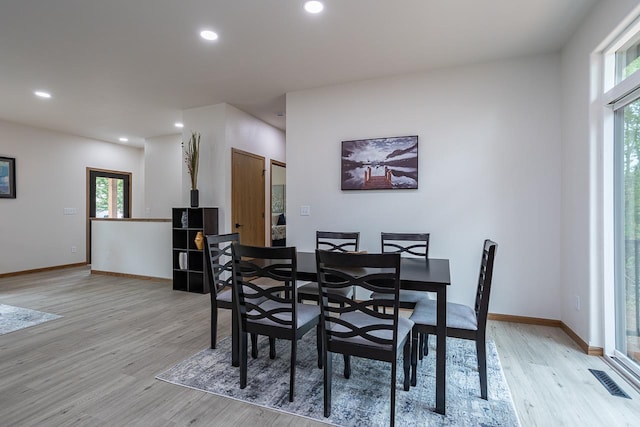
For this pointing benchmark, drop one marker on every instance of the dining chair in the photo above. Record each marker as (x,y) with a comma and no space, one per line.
(356,328)
(219,268)
(411,245)
(462,321)
(334,241)
(271,311)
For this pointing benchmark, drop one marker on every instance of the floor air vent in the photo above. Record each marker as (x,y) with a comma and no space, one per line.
(609,384)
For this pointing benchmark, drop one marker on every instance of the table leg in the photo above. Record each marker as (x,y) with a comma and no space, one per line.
(441,349)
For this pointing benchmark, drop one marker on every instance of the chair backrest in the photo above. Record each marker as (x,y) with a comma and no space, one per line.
(412,244)
(278,267)
(370,329)
(219,260)
(338,241)
(484,282)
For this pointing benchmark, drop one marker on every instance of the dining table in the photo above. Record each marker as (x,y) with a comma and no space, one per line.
(417,274)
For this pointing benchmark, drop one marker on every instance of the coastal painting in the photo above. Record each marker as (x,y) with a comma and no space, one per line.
(380,163)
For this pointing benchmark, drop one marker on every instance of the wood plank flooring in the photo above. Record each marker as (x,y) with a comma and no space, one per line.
(96,365)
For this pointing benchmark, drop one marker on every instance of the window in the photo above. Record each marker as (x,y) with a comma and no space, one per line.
(627,208)
(623,59)
(109,194)
(628,59)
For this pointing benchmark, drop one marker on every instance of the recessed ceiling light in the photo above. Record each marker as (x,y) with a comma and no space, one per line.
(42,94)
(208,35)
(123,139)
(178,125)
(313,6)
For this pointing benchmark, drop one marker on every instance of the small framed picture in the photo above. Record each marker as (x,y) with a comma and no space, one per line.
(7,178)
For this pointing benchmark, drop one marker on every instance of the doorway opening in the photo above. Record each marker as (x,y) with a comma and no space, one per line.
(108,196)
(278,203)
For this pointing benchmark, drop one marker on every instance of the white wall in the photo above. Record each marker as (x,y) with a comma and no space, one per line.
(141,248)
(489,167)
(247,133)
(583,173)
(209,122)
(223,127)
(162,175)
(51,176)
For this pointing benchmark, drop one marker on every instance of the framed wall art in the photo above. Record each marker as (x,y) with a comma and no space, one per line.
(7,178)
(380,163)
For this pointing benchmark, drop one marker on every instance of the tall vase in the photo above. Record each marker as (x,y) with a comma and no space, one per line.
(184,220)
(194,198)
(199,240)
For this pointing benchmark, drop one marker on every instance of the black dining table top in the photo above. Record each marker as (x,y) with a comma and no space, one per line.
(415,273)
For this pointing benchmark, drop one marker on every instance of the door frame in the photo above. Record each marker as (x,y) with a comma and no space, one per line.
(127,212)
(271,164)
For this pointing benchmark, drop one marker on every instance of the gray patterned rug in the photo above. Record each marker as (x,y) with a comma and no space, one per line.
(363,400)
(15,318)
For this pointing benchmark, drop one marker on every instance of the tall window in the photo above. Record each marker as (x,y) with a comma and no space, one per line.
(623,82)
(627,292)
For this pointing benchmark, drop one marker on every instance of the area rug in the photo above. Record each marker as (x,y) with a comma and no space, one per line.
(362,400)
(16,318)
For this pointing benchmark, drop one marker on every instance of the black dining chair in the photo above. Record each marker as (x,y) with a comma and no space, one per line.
(219,268)
(333,241)
(462,321)
(271,311)
(356,328)
(410,245)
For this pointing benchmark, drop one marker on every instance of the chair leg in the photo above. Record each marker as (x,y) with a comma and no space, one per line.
(327,359)
(235,340)
(481,350)
(347,366)
(414,356)
(214,327)
(426,344)
(272,348)
(243,359)
(254,346)
(392,415)
(421,346)
(319,345)
(292,375)
(406,362)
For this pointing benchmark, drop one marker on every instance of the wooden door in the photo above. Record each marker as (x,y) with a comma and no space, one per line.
(248,197)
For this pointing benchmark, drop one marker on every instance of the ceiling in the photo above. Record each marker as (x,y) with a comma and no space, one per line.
(129,67)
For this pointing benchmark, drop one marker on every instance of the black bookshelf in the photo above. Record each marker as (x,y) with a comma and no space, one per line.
(193,276)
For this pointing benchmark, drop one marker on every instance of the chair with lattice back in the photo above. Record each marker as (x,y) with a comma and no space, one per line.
(414,245)
(272,310)
(334,241)
(357,328)
(462,321)
(219,269)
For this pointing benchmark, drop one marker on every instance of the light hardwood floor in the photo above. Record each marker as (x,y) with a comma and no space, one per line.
(96,365)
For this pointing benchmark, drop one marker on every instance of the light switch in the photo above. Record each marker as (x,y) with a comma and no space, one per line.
(305,210)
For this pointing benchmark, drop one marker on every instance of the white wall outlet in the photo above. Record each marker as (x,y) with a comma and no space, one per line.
(305,210)
(69,211)
(577,302)
(74,249)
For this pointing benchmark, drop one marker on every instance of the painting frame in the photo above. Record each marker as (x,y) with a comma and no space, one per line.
(389,163)
(7,178)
